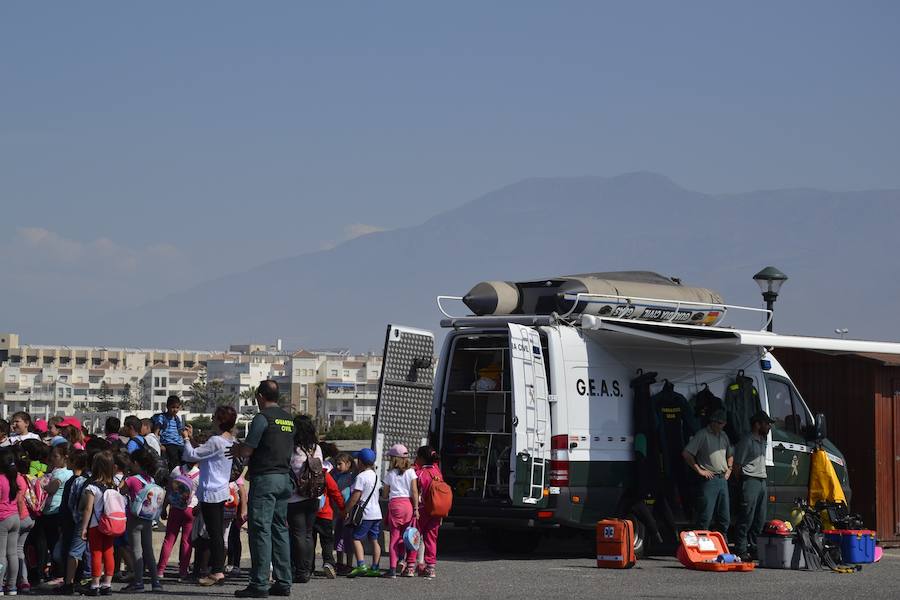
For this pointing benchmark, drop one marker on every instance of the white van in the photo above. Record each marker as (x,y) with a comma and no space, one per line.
(533,414)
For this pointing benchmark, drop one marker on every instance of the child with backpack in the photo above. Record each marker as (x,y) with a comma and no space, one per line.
(49,521)
(74,549)
(343,475)
(402,494)
(145,500)
(308,473)
(10,482)
(436,498)
(102,520)
(363,514)
(324,525)
(235,513)
(182,499)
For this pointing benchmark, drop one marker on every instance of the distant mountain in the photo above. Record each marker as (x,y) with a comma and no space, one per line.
(838,248)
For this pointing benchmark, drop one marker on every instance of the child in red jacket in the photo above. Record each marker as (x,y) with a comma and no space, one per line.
(324,525)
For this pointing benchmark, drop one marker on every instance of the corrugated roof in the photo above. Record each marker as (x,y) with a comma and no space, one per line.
(888,360)
(303,354)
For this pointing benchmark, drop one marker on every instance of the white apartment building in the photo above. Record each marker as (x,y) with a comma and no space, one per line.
(45,380)
(350,388)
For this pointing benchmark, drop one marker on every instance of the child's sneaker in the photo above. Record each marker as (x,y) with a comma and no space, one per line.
(343,570)
(389,574)
(373,572)
(410,571)
(329,570)
(429,572)
(360,571)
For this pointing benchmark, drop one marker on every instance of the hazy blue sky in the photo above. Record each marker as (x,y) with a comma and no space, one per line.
(145,145)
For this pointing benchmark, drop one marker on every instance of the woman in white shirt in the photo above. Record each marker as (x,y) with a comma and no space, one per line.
(212,487)
(302,511)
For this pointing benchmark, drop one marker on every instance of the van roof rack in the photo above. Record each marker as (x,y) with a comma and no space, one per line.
(499,320)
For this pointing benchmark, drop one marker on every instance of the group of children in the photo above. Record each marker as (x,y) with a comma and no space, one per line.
(74,517)
(405,486)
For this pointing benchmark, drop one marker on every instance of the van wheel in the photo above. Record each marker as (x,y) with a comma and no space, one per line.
(640,537)
(503,541)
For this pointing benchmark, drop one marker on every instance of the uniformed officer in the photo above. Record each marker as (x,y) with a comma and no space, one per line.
(269,445)
(710,455)
(750,454)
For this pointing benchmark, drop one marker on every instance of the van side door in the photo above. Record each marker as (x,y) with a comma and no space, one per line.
(531,418)
(405,392)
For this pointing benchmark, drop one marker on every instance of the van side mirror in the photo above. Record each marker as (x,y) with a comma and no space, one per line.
(820,428)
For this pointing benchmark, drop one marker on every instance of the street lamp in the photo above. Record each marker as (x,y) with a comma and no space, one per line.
(842,331)
(770,281)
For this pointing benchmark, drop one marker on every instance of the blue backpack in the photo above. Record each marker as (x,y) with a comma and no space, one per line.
(148,502)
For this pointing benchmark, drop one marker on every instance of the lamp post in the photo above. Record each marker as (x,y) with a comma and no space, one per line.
(770,281)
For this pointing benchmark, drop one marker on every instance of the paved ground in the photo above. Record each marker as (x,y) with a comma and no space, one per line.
(562,568)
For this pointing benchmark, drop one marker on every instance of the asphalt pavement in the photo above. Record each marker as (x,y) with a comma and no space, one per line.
(563,568)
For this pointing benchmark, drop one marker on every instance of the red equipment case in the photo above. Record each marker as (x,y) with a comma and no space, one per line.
(700,549)
(615,544)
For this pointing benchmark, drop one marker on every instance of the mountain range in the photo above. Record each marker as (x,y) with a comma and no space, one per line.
(839,250)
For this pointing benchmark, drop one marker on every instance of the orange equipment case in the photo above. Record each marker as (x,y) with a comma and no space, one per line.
(615,544)
(699,550)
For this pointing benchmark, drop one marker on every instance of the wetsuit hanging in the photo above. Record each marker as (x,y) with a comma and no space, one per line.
(705,404)
(676,425)
(741,403)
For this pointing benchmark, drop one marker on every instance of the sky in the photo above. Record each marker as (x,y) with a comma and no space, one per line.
(145,147)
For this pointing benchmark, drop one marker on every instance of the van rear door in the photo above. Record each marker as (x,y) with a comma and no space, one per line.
(405,392)
(531,418)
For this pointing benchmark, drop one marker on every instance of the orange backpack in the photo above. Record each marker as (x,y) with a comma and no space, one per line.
(438,498)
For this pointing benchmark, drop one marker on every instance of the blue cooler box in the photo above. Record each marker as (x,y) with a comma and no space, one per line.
(857,545)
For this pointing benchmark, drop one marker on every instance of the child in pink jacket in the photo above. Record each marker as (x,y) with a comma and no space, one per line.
(427,471)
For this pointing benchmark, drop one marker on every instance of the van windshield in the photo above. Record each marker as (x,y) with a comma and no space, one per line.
(786,406)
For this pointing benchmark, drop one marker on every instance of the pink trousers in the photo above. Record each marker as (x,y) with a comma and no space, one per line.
(400,515)
(179,520)
(428,528)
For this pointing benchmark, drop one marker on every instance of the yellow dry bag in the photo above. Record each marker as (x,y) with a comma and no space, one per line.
(823,481)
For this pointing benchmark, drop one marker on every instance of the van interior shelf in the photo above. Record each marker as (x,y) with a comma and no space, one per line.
(476,441)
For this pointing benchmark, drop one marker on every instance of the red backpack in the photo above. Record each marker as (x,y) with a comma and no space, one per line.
(438,497)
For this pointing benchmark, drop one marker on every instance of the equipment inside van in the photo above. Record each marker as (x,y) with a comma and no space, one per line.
(546,404)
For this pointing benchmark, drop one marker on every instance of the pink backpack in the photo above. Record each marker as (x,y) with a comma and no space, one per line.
(111,520)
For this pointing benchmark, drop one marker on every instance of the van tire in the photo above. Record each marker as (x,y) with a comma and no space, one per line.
(640,537)
(512,542)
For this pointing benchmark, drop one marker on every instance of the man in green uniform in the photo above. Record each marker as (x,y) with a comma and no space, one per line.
(710,455)
(750,454)
(269,446)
